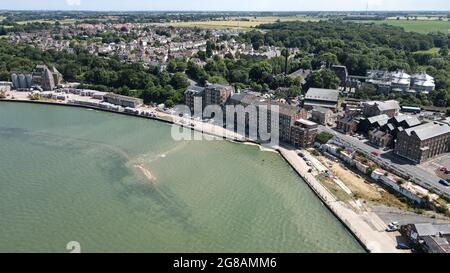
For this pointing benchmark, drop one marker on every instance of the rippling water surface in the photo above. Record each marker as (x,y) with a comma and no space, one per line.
(121,184)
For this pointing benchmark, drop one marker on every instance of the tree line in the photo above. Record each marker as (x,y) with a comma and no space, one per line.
(361,47)
(106,74)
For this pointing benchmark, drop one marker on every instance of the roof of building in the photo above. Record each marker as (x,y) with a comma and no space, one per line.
(428,130)
(423,79)
(428,229)
(217,86)
(437,244)
(121,97)
(409,120)
(306,122)
(380,119)
(319,94)
(388,105)
(285,109)
(301,73)
(195,89)
(322,110)
(400,74)
(390,127)
(250,99)
(323,104)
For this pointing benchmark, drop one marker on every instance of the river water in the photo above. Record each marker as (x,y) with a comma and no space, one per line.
(115,183)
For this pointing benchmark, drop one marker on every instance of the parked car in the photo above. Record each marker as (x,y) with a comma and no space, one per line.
(403,246)
(391,229)
(301,155)
(444,182)
(394,226)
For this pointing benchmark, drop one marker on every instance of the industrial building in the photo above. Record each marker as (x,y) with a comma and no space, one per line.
(123,101)
(287,114)
(391,108)
(427,237)
(400,81)
(423,142)
(41,78)
(21,82)
(325,98)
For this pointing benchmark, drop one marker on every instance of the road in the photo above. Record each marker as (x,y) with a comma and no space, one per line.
(375,240)
(419,176)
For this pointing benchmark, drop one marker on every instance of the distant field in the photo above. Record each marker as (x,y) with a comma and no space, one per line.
(66,21)
(241,22)
(421,26)
(434,50)
(63,22)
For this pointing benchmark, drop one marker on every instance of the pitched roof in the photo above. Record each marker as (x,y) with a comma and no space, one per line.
(388,105)
(380,119)
(322,94)
(250,99)
(410,121)
(428,130)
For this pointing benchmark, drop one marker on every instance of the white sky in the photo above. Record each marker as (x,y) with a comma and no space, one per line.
(226,5)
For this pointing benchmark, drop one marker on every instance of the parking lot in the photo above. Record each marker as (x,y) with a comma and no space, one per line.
(435,166)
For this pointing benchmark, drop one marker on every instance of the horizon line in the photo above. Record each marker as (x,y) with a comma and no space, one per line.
(156,10)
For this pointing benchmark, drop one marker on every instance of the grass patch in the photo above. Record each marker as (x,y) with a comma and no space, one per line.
(434,51)
(421,26)
(337,191)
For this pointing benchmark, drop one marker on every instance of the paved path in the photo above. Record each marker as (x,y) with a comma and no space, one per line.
(375,240)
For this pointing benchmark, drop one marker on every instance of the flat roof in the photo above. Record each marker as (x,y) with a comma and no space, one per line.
(306,122)
(122,97)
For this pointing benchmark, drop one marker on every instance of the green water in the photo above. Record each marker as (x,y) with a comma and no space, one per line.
(68,174)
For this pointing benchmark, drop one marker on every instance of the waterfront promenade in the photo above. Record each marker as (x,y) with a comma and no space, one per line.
(373,240)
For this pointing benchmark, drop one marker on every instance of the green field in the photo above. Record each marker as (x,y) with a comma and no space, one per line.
(434,50)
(63,22)
(240,22)
(66,21)
(421,26)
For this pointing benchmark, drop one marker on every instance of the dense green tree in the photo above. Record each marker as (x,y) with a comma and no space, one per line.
(444,51)
(260,71)
(324,78)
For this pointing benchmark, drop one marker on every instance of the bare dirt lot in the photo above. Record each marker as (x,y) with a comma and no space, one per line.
(361,187)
